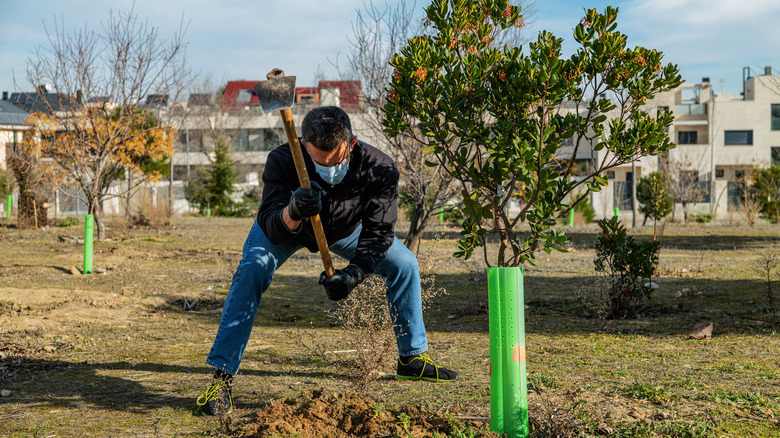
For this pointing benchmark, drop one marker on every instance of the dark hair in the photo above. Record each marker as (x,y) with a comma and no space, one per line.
(326,127)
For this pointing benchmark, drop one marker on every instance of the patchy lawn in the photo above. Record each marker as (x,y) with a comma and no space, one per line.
(116,354)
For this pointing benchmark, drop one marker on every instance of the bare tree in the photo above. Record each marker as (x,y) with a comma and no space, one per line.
(377,34)
(682,167)
(107,109)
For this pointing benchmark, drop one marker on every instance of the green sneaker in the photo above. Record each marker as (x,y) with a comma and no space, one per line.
(218,398)
(421,367)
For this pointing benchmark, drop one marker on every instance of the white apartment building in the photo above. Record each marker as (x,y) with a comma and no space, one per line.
(717,135)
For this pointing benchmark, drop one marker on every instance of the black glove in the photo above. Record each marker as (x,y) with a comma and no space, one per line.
(305,203)
(341,283)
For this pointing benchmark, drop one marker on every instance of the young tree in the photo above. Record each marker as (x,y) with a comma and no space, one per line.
(653,197)
(101,80)
(682,169)
(219,185)
(766,189)
(494,117)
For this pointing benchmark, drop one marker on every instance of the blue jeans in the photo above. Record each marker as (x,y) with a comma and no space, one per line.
(261,259)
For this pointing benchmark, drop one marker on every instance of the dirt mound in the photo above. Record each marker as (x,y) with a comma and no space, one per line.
(318,414)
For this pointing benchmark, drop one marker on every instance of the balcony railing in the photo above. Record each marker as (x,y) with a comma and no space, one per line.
(693,109)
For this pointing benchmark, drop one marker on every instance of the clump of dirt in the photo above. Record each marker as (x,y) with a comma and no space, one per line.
(317,414)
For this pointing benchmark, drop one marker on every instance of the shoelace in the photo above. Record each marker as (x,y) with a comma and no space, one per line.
(426,360)
(212,393)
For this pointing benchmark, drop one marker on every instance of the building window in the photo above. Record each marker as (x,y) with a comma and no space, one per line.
(775,156)
(738,138)
(244,96)
(775,117)
(719,173)
(687,137)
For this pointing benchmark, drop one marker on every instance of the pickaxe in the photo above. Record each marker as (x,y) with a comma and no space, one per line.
(278,93)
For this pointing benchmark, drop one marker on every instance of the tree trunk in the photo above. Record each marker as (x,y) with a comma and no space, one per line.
(416,223)
(685,212)
(95,208)
(128,211)
(25,209)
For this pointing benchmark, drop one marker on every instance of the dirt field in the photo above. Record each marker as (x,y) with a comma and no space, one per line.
(116,354)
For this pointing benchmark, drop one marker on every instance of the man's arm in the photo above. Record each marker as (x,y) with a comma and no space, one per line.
(273,216)
(291,223)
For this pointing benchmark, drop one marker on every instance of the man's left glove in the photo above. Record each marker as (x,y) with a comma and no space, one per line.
(340,284)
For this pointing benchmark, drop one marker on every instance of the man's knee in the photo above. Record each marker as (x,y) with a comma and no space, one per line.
(405,263)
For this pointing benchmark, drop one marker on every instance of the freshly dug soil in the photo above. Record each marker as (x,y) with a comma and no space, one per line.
(319,414)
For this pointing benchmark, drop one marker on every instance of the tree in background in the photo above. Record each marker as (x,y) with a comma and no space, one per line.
(28,172)
(493,117)
(682,170)
(100,81)
(653,196)
(766,190)
(221,128)
(219,185)
(95,152)
(377,35)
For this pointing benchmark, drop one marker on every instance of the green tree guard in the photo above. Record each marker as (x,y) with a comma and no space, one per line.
(208,212)
(571,218)
(9,202)
(89,231)
(508,391)
(441,214)
(617,211)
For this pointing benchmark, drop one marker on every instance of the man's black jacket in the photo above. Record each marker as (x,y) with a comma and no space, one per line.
(368,195)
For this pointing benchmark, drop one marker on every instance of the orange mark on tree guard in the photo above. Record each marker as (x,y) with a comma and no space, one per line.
(519,354)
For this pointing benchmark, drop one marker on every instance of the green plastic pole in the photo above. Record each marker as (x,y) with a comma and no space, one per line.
(508,388)
(617,211)
(88,233)
(9,202)
(571,218)
(495,301)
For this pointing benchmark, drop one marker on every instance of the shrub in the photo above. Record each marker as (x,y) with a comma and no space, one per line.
(152,214)
(766,189)
(628,264)
(68,221)
(703,218)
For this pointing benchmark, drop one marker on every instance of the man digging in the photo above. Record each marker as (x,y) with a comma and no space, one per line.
(355,192)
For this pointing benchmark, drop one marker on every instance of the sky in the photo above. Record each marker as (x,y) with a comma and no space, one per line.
(244,39)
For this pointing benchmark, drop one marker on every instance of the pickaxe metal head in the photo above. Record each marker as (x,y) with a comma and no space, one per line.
(277,93)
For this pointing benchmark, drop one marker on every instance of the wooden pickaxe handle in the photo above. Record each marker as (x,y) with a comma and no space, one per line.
(303,179)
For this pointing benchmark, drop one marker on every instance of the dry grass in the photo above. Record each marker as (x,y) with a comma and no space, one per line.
(115,354)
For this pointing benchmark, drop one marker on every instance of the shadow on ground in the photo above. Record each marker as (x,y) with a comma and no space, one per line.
(72,385)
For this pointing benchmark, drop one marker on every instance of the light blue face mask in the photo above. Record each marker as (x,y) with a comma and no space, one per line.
(332,175)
